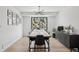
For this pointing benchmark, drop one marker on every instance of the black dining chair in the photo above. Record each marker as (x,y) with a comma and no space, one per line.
(40,43)
(31,40)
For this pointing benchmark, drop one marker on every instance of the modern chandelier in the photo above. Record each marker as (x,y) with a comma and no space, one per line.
(39,11)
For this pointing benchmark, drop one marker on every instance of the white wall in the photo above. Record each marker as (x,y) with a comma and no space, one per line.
(27,24)
(69,15)
(8,33)
(51,23)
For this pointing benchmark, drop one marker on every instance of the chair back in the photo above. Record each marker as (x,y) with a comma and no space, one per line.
(40,40)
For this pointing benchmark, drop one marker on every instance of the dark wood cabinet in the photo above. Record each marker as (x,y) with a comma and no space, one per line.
(69,40)
(74,41)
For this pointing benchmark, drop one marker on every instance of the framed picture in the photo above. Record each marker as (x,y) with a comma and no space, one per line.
(39,22)
(9,17)
(14,18)
(18,20)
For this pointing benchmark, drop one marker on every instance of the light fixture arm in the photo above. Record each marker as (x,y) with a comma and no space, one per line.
(39,12)
(39,8)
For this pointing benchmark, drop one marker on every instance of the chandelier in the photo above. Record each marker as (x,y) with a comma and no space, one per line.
(39,12)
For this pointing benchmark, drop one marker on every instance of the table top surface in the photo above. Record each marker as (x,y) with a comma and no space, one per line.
(36,32)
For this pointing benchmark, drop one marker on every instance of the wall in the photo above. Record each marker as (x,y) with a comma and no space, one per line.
(8,33)
(69,15)
(51,23)
(27,24)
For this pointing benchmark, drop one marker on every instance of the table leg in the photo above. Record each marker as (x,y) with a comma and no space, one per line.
(71,49)
(78,49)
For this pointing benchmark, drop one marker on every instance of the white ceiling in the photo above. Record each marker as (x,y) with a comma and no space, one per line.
(35,8)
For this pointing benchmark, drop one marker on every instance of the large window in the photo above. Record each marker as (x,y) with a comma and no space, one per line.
(39,22)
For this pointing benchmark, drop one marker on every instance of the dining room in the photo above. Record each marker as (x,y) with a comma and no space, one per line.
(38,21)
(39,29)
(42,29)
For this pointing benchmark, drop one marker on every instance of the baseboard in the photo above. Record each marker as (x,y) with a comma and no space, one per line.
(10,44)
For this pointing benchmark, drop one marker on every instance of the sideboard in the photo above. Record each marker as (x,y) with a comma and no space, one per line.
(69,40)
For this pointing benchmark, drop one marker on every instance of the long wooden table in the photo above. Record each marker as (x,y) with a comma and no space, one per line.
(36,32)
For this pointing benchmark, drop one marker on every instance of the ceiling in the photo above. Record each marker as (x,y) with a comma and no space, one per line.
(35,8)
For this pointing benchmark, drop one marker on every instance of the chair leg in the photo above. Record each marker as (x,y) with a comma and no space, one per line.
(44,48)
(48,46)
(71,49)
(78,49)
(34,47)
(29,46)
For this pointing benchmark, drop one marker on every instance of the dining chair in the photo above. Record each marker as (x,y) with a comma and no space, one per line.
(31,43)
(40,44)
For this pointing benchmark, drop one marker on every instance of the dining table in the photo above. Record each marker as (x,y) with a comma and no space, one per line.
(33,34)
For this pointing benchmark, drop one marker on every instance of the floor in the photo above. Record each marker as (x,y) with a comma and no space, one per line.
(22,46)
